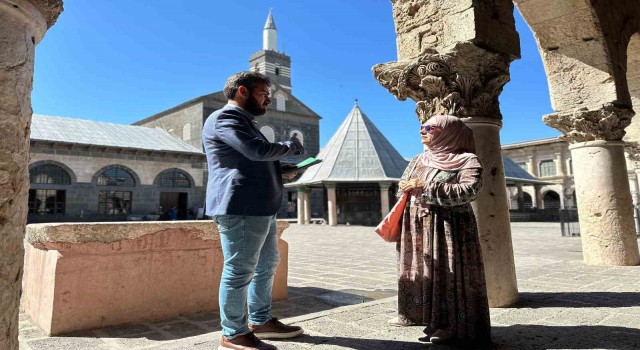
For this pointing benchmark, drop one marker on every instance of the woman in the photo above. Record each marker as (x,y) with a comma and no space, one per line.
(441,274)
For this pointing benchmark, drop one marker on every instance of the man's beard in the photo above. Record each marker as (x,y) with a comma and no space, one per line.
(252,106)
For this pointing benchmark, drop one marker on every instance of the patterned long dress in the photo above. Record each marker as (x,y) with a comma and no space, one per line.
(441,281)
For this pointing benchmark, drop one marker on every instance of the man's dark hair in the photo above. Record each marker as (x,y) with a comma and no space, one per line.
(246,79)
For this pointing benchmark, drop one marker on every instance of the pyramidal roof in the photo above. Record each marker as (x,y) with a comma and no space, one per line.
(357,152)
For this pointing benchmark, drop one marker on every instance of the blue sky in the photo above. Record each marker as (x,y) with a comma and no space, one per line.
(121,61)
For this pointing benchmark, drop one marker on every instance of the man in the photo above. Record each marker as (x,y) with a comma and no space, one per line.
(244,192)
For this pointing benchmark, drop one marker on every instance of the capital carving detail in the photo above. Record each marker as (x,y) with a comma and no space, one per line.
(607,123)
(466,82)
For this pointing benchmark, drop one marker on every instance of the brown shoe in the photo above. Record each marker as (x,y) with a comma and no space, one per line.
(244,342)
(275,329)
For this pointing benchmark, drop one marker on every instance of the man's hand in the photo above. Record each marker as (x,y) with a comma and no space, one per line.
(289,176)
(408,185)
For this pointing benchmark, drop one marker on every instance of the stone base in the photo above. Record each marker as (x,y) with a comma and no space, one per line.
(75,281)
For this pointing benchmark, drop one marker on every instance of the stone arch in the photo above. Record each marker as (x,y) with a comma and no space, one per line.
(527,201)
(158,181)
(268,132)
(281,101)
(136,178)
(570,37)
(69,171)
(550,200)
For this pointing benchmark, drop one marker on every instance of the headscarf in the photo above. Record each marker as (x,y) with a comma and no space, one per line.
(452,146)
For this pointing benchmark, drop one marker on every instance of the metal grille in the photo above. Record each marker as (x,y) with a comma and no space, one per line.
(173,179)
(47,202)
(116,176)
(114,202)
(49,174)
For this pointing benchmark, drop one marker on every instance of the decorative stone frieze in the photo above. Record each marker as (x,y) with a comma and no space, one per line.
(607,123)
(465,82)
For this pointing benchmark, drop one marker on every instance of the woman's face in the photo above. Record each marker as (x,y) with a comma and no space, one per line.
(426,132)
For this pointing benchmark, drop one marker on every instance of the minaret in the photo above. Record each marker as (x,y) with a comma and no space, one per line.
(269,61)
(270,34)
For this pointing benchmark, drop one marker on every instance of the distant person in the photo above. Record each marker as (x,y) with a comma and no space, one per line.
(173,214)
(244,193)
(291,209)
(194,212)
(441,281)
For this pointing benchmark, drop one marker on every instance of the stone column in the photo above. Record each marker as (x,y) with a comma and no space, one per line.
(537,198)
(520,197)
(607,228)
(466,82)
(560,164)
(384,198)
(307,206)
(331,203)
(22,26)
(300,206)
(532,166)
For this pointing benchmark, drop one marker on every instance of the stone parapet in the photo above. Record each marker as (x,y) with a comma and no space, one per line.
(93,275)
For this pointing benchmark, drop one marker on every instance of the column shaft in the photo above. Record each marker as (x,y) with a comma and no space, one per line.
(300,206)
(384,199)
(332,206)
(605,209)
(492,213)
(307,207)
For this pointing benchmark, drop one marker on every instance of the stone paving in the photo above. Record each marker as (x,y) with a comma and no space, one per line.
(342,287)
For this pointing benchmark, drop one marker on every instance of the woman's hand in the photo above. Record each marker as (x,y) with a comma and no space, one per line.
(408,185)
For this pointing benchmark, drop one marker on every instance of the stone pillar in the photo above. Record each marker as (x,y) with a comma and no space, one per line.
(22,26)
(607,228)
(464,80)
(537,198)
(307,206)
(384,198)
(300,205)
(331,203)
(520,197)
(532,166)
(560,165)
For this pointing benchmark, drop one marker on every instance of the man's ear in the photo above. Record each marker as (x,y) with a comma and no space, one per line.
(243,91)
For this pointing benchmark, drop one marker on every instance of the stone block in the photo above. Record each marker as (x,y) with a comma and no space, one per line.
(86,276)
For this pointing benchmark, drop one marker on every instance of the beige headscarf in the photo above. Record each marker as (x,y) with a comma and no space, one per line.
(452,146)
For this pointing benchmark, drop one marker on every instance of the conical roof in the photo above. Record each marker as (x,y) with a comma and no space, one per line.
(270,24)
(357,152)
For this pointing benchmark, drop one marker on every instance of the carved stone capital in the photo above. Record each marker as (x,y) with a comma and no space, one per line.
(465,82)
(607,123)
(633,151)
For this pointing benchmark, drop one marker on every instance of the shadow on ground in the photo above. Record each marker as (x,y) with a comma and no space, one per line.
(566,337)
(578,299)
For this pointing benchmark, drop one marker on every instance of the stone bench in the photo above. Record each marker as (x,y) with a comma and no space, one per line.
(81,276)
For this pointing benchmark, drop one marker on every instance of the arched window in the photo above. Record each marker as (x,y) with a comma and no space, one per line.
(116,176)
(268,132)
(277,70)
(173,178)
(298,134)
(49,174)
(547,168)
(551,200)
(115,201)
(186,132)
(281,102)
(48,201)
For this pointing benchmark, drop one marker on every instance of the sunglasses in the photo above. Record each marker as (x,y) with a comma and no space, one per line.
(428,128)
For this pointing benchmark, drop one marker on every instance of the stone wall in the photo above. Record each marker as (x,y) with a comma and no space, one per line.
(175,120)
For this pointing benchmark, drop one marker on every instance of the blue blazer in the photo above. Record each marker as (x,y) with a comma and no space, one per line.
(245,176)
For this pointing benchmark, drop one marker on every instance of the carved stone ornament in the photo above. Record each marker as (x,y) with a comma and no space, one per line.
(607,123)
(464,83)
(633,151)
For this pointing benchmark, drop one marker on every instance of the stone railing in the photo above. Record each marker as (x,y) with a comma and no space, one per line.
(81,276)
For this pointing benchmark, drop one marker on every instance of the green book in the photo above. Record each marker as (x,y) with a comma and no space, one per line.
(290,167)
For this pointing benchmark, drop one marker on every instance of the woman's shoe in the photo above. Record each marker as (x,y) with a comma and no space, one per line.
(397,322)
(441,336)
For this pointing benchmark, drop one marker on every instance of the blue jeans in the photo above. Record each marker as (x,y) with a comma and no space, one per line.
(250,249)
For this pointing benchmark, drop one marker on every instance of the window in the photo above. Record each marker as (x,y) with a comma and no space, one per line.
(49,174)
(277,71)
(268,132)
(547,168)
(570,166)
(114,202)
(47,202)
(186,132)
(523,166)
(173,178)
(281,103)
(298,134)
(116,176)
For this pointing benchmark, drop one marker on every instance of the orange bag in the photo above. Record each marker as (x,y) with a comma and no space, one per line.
(391,226)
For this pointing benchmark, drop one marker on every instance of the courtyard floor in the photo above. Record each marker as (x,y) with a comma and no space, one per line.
(342,287)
